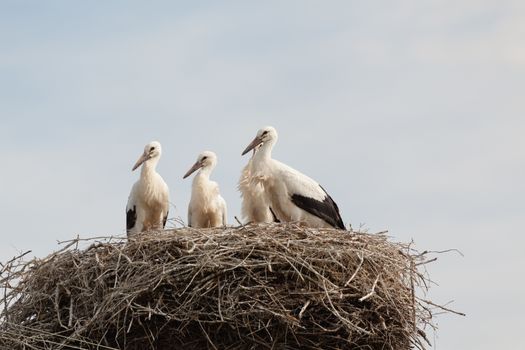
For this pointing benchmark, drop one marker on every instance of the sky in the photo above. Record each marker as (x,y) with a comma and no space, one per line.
(410,113)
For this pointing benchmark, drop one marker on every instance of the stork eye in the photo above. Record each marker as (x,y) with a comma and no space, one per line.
(265,132)
(152,149)
(204,158)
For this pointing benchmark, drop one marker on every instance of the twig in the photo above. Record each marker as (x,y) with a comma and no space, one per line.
(303,309)
(426,262)
(442,307)
(361,260)
(238,221)
(363,298)
(441,252)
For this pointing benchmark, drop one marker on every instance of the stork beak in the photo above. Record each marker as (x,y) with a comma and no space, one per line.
(144,157)
(256,142)
(195,167)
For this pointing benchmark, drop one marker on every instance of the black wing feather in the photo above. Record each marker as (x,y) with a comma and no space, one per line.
(165,219)
(326,210)
(131,218)
(273,215)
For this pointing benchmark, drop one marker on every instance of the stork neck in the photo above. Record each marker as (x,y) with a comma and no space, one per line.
(149,167)
(265,151)
(205,172)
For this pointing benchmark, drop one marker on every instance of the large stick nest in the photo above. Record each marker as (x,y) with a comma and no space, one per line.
(269,286)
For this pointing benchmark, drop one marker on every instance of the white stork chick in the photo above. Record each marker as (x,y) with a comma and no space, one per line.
(292,195)
(148,202)
(207,208)
(254,206)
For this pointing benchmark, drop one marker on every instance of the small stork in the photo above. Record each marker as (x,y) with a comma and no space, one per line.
(207,208)
(148,202)
(254,207)
(292,195)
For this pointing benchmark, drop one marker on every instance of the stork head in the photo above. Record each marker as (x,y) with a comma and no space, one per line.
(268,134)
(206,159)
(151,150)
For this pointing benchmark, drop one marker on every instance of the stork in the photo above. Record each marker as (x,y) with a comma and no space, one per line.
(292,195)
(254,206)
(148,201)
(207,208)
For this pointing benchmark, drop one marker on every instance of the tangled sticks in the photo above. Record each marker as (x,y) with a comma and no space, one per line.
(270,286)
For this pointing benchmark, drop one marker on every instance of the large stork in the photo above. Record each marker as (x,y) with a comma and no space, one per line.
(254,206)
(148,202)
(292,195)
(207,208)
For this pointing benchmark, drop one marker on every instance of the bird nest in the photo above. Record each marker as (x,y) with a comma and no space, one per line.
(257,286)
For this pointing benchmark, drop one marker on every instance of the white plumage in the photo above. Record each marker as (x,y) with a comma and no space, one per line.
(148,202)
(254,206)
(292,195)
(207,208)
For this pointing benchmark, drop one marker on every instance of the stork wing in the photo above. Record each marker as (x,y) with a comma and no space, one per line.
(190,214)
(131,217)
(131,210)
(165,219)
(326,209)
(166,193)
(275,219)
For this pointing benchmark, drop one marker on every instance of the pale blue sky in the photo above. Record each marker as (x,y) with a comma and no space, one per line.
(410,113)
